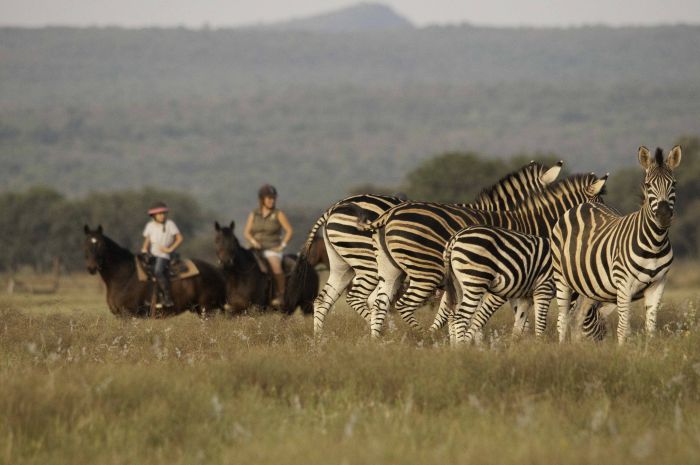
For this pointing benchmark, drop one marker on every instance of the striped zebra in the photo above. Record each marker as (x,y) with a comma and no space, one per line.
(411,239)
(496,264)
(608,257)
(351,250)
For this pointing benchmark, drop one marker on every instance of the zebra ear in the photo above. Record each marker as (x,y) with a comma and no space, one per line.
(596,188)
(551,174)
(645,158)
(674,157)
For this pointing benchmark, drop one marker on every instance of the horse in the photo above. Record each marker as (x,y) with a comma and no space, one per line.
(127,296)
(247,284)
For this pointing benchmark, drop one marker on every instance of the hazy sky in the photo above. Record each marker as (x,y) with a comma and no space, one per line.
(195,13)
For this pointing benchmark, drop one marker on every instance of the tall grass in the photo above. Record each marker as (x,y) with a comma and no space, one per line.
(79,386)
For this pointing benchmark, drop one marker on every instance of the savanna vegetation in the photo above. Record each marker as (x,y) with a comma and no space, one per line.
(79,386)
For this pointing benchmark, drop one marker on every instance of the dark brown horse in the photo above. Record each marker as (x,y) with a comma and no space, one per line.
(246,284)
(128,296)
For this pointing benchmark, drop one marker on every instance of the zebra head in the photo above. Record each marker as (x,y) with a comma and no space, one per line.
(659,183)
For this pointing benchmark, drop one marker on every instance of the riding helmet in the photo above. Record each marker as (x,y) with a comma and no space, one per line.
(267,190)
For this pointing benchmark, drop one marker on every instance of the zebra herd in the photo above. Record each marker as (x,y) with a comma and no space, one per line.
(527,239)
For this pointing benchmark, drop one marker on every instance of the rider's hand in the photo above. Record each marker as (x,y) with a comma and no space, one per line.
(255,244)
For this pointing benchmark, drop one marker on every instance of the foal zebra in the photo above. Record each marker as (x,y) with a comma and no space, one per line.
(351,251)
(608,257)
(411,239)
(498,264)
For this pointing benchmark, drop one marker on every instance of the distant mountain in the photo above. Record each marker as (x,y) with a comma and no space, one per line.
(356,18)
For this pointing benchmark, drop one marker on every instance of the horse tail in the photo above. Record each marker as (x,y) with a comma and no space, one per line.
(303,274)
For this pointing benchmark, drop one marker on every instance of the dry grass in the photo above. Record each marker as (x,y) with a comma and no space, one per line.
(78,386)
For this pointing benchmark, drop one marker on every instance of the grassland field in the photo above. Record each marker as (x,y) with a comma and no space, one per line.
(78,386)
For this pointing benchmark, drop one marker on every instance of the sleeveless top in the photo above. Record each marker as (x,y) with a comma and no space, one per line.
(267,230)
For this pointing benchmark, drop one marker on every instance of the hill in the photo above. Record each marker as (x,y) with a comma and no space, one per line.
(356,18)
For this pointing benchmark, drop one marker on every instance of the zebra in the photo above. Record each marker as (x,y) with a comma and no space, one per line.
(411,238)
(498,264)
(351,250)
(608,257)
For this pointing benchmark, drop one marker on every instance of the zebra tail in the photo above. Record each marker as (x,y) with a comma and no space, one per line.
(303,273)
(364,225)
(450,289)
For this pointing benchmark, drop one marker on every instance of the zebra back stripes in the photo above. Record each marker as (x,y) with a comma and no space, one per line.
(608,257)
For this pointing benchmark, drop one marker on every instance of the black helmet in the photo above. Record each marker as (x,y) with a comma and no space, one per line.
(158,207)
(267,190)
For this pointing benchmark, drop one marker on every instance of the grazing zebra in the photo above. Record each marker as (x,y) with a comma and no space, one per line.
(498,264)
(411,239)
(351,251)
(608,257)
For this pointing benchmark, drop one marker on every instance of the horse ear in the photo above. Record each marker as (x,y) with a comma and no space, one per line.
(99,229)
(217,226)
(86,228)
(645,158)
(232,225)
(674,157)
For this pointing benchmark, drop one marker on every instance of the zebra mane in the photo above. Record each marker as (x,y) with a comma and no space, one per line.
(659,156)
(573,180)
(491,190)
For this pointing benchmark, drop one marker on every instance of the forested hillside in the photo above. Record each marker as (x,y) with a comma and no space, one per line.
(218,112)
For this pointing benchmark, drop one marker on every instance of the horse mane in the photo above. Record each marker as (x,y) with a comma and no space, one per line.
(113,247)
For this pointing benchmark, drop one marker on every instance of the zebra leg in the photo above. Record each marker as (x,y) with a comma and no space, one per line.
(564,304)
(340,275)
(444,313)
(488,307)
(471,298)
(520,308)
(594,324)
(388,288)
(357,297)
(652,298)
(542,297)
(623,311)
(412,298)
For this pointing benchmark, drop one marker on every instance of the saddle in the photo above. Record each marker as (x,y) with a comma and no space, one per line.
(288,262)
(179,268)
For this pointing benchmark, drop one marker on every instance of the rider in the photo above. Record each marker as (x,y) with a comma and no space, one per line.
(161,238)
(263,231)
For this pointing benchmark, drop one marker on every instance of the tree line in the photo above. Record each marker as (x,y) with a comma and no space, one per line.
(39,224)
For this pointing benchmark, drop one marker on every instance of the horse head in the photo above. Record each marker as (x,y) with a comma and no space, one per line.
(94,249)
(226,244)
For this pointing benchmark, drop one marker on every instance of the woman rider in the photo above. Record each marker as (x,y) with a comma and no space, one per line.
(263,231)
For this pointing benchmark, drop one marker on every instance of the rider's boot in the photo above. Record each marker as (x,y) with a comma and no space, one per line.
(279,290)
(164,284)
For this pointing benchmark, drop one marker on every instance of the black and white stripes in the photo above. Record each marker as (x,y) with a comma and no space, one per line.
(612,258)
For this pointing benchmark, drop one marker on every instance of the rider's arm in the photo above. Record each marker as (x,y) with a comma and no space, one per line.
(247,234)
(175,245)
(288,231)
(146,245)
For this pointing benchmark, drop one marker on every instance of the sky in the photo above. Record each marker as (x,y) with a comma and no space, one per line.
(222,13)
